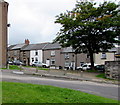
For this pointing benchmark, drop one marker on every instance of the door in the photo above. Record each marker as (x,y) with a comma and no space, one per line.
(48,62)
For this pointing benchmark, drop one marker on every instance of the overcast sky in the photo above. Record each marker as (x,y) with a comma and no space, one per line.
(34,19)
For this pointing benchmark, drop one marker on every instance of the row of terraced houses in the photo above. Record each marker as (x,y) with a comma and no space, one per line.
(55,56)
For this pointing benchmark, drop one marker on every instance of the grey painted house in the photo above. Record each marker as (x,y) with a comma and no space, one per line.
(70,59)
(51,54)
(58,57)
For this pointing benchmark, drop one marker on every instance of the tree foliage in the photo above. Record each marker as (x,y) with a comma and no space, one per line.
(89,28)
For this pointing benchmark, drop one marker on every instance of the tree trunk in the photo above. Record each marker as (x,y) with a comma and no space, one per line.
(91,60)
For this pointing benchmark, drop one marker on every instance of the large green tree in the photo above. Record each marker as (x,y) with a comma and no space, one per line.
(89,28)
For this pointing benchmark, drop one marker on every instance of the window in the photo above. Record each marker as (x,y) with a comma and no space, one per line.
(52,61)
(67,64)
(24,53)
(32,59)
(66,55)
(88,56)
(36,59)
(81,63)
(36,52)
(52,53)
(103,56)
(15,53)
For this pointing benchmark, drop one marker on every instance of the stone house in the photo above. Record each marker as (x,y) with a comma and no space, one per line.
(25,54)
(14,51)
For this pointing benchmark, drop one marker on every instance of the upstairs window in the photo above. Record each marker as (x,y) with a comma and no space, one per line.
(103,56)
(52,53)
(52,61)
(36,52)
(66,56)
(36,59)
(88,56)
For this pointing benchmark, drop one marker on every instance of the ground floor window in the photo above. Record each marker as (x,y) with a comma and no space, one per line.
(32,59)
(52,61)
(67,64)
(103,56)
(36,59)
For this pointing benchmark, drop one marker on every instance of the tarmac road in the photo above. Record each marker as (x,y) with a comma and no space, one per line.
(100,89)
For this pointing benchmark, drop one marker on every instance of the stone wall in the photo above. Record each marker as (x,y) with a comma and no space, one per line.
(112,69)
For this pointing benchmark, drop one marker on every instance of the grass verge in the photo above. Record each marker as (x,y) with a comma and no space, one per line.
(39,68)
(102,75)
(32,93)
(13,67)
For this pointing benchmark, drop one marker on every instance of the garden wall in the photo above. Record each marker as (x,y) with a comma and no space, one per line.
(112,69)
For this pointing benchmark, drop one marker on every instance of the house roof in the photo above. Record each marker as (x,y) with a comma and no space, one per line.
(29,47)
(112,49)
(52,46)
(39,46)
(67,49)
(18,46)
(10,47)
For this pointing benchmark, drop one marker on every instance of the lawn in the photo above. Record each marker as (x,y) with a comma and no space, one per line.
(102,75)
(31,93)
(39,68)
(13,67)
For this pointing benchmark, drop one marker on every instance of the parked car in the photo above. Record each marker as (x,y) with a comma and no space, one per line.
(40,64)
(79,67)
(86,66)
(10,62)
(100,68)
(17,62)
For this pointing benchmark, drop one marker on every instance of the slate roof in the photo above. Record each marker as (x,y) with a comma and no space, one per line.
(67,49)
(18,46)
(10,47)
(112,49)
(50,46)
(39,46)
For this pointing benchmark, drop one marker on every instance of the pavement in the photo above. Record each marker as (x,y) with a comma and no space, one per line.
(64,74)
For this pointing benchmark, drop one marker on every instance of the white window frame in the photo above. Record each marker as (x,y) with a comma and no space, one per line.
(52,53)
(103,56)
(36,52)
(36,59)
(51,62)
(66,55)
(67,63)
(32,59)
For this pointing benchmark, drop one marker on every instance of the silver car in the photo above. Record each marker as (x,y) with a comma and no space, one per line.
(40,64)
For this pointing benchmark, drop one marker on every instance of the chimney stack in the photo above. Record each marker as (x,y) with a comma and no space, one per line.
(27,41)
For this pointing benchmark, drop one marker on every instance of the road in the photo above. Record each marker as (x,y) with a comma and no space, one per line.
(100,89)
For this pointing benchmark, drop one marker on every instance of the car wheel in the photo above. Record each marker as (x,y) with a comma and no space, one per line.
(44,66)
